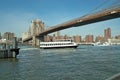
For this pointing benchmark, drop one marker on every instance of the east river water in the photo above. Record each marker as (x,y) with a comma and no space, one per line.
(83,63)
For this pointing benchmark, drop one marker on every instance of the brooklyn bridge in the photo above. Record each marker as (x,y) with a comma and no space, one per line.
(102,15)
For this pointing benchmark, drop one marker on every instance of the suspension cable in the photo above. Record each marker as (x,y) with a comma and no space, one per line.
(99,6)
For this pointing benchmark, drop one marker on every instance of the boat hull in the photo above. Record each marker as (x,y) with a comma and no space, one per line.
(59,47)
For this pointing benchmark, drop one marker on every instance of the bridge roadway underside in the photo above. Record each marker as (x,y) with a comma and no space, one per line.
(103,18)
(76,23)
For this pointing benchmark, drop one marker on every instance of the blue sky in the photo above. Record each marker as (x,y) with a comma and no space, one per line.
(16,15)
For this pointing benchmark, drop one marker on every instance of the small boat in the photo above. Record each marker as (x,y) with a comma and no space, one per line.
(59,44)
(101,44)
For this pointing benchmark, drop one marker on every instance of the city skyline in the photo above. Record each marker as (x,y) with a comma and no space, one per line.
(89,38)
(16,15)
(107,32)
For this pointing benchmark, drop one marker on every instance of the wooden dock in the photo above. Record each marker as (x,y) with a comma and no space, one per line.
(8,51)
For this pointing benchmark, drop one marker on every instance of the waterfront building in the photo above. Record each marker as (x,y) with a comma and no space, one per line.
(117,37)
(114,41)
(89,39)
(63,37)
(107,33)
(48,38)
(8,36)
(99,39)
(77,39)
(54,38)
(67,37)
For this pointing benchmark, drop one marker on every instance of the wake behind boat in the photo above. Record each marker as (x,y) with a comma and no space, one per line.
(58,44)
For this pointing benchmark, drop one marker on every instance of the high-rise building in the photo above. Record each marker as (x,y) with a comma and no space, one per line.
(89,38)
(9,36)
(107,33)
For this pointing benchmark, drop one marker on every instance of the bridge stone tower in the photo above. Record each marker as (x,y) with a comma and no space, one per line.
(36,27)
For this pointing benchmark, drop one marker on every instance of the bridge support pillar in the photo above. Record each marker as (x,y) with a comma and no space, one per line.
(35,42)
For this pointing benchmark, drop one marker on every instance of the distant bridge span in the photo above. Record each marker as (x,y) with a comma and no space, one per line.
(103,15)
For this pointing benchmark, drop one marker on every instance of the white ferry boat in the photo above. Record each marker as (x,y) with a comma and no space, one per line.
(58,44)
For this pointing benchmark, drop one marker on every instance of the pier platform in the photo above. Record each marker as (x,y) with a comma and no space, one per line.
(9,53)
